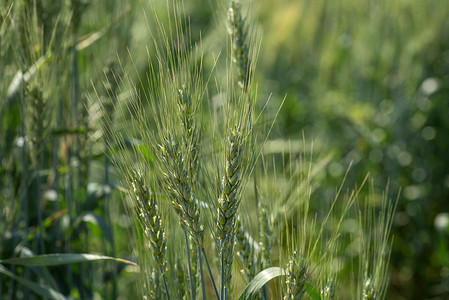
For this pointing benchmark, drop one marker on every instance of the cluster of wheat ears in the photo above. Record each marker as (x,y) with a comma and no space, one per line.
(189,173)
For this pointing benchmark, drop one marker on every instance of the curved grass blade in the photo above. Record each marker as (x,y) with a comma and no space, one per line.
(37,288)
(61,259)
(253,288)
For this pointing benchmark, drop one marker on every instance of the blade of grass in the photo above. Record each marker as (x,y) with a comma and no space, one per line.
(253,288)
(61,259)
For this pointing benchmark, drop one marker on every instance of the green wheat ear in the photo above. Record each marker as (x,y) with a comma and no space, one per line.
(153,287)
(244,250)
(228,203)
(39,111)
(296,278)
(265,233)
(328,292)
(368,290)
(240,49)
(180,279)
(190,136)
(178,185)
(148,212)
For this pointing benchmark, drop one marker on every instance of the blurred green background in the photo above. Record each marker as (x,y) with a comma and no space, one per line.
(367,80)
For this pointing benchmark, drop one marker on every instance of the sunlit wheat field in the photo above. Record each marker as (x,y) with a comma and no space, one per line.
(229,149)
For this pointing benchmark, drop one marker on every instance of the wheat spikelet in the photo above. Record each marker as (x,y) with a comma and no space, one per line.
(180,279)
(244,250)
(148,212)
(328,292)
(183,199)
(296,278)
(194,266)
(39,124)
(264,236)
(190,136)
(154,286)
(368,290)
(240,50)
(228,202)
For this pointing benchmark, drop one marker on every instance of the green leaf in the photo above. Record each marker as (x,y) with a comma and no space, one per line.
(253,288)
(146,153)
(312,292)
(37,288)
(61,259)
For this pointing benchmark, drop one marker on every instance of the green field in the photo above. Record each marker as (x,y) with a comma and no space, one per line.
(289,149)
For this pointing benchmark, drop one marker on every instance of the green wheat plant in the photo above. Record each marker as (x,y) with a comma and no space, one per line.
(215,204)
(199,158)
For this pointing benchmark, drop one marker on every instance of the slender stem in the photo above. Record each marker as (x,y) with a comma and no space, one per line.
(192,286)
(55,146)
(39,200)
(166,286)
(222,297)
(203,286)
(74,116)
(108,218)
(210,274)
(68,198)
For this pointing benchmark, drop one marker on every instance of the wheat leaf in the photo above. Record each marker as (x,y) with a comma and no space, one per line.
(61,259)
(253,288)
